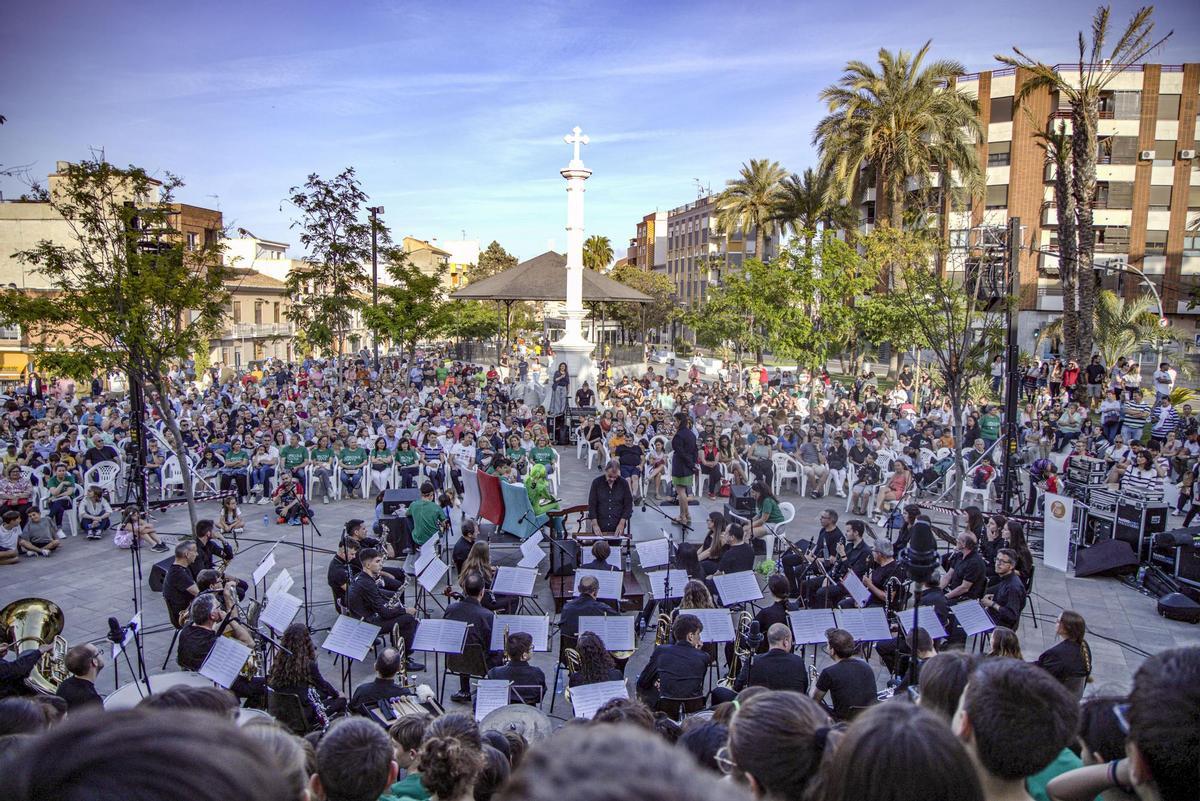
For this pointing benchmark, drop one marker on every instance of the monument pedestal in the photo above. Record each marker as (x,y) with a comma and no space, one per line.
(578,356)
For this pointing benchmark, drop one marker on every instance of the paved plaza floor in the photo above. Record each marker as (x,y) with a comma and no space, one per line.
(91,580)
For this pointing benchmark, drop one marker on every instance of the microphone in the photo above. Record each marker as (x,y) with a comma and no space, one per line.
(115,632)
(920,557)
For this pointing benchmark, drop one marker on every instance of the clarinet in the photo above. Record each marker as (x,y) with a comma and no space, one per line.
(318,705)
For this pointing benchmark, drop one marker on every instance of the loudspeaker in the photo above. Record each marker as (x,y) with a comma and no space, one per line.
(739,499)
(395,498)
(1176,606)
(1106,558)
(158,573)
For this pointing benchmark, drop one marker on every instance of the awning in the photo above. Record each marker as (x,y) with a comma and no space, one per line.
(13,364)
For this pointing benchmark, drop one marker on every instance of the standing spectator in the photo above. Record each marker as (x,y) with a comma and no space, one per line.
(1094,374)
(1165,420)
(1164,381)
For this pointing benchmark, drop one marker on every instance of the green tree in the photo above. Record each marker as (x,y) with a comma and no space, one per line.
(657,313)
(597,253)
(469,319)
(125,294)
(808,201)
(410,309)
(750,201)
(1121,328)
(1098,66)
(900,122)
(1056,143)
(494,259)
(329,284)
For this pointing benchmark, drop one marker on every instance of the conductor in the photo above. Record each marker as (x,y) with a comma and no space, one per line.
(610,502)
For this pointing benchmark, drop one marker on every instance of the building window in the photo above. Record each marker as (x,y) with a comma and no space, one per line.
(1120,195)
(1002,109)
(1128,105)
(10,332)
(1156,243)
(960,238)
(869,209)
(192,240)
(1193,198)
(1164,152)
(1191,244)
(1160,198)
(237,312)
(1112,239)
(999,153)
(277,306)
(997,197)
(1168,107)
(1119,150)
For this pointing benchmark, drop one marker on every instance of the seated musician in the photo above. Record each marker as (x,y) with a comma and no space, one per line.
(84,661)
(849,681)
(526,679)
(583,605)
(600,553)
(209,621)
(383,687)
(800,567)
(880,577)
(179,586)
(211,546)
(610,502)
(463,547)
(851,557)
(676,669)
(392,575)
(778,668)
(777,611)
(479,633)
(738,555)
(894,653)
(343,567)
(369,602)
(596,664)
(294,671)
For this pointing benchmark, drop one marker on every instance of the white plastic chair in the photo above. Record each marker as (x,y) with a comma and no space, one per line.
(363,484)
(553,477)
(103,475)
(42,499)
(383,479)
(984,493)
(787,469)
(788,510)
(172,476)
(581,443)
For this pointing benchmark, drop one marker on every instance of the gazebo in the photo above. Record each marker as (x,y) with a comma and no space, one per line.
(543,279)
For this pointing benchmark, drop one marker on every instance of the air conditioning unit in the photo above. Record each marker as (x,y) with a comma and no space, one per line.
(1145,155)
(1187,154)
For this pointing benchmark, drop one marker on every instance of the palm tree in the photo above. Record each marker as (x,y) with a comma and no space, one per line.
(597,253)
(750,201)
(1121,328)
(1057,144)
(806,202)
(1096,71)
(903,122)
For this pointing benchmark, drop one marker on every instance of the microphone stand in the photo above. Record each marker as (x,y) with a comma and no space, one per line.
(651,504)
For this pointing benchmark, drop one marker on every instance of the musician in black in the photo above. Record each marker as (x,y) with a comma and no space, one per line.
(528,682)
(684,455)
(610,502)
(778,668)
(179,586)
(1006,598)
(462,548)
(909,518)
(799,567)
(343,567)
(208,622)
(583,605)
(965,573)
(885,577)
(381,688)
(366,600)
(211,547)
(738,555)
(776,612)
(852,557)
(393,576)
(676,669)
(600,553)
(470,610)
(849,681)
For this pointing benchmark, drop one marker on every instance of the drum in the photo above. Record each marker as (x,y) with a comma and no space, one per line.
(127,696)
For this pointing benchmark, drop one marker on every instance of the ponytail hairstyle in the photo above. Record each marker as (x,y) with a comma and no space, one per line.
(771,723)
(1075,628)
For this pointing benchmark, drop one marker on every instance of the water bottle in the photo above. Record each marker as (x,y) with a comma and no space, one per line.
(266,521)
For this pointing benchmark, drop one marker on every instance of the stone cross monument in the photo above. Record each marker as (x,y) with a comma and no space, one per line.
(574,347)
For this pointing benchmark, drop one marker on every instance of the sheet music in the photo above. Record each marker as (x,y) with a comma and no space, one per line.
(490,695)
(536,626)
(653,553)
(531,551)
(614,556)
(225,661)
(615,630)
(587,698)
(972,617)
(809,625)
(443,636)
(282,583)
(611,582)
(263,568)
(130,630)
(858,591)
(865,625)
(514,581)
(424,559)
(280,611)
(659,580)
(718,624)
(350,637)
(432,574)
(927,620)
(737,588)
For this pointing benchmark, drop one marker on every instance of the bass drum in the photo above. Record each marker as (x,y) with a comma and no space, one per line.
(127,696)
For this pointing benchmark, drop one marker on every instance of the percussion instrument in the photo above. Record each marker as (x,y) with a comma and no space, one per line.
(529,721)
(127,696)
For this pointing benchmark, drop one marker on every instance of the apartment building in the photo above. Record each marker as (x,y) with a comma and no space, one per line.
(257,325)
(697,254)
(648,249)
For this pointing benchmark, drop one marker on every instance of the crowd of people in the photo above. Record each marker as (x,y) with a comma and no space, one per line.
(295,436)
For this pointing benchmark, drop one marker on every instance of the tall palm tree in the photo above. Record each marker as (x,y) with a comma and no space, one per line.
(903,121)
(597,252)
(750,201)
(1121,328)
(1056,142)
(1097,69)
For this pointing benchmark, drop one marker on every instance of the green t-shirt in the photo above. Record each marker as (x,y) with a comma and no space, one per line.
(409,788)
(293,457)
(322,454)
(542,456)
(989,426)
(516,454)
(237,456)
(380,455)
(353,457)
(426,516)
(54,481)
(1035,785)
(441,374)
(406,458)
(770,508)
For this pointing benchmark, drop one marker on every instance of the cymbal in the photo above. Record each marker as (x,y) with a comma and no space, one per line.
(529,721)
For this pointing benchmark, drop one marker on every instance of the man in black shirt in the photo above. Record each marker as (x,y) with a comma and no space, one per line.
(528,682)
(852,557)
(827,540)
(343,568)
(778,668)
(584,395)
(1007,596)
(367,601)
(462,548)
(392,575)
(677,669)
(79,689)
(583,605)
(879,579)
(850,681)
(382,688)
(208,622)
(777,612)
(179,586)
(479,631)
(610,502)
(210,547)
(966,571)
(600,554)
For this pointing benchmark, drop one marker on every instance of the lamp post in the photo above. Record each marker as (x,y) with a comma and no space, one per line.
(375,212)
(1124,267)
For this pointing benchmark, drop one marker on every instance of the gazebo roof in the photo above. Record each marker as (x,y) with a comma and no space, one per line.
(544,278)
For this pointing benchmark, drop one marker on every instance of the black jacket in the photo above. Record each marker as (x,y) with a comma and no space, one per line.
(737,559)
(610,505)
(78,693)
(368,695)
(769,615)
(581,606)
(598,564)
(13,672)
(776,670)
(680,670)
(683,453)
(524,677)
(1065,661)
(367,601)
(470,611)
(1009,596)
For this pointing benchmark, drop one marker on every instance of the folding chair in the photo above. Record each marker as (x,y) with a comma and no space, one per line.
(472,663)
(679,708)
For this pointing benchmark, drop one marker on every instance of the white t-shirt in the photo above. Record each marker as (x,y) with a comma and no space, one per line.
(1164,380)
(9,537)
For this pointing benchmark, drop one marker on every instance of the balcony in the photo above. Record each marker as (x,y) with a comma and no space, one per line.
(255,330)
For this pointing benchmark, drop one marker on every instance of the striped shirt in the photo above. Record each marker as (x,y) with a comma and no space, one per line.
(1136,481)
(1166,420)
(1135,412)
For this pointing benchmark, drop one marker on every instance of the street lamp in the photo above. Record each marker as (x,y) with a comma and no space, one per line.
(1124,267)
(375,212)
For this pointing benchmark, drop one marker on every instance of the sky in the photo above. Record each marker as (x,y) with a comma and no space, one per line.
(452,113)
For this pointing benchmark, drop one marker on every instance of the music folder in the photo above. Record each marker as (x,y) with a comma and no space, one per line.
(809,625)
(442,636)
(738,588)
(927,619)
(972,617)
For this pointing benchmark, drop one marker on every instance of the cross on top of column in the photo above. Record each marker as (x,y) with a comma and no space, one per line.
(576,138)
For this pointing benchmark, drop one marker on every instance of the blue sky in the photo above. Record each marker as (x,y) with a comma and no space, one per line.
(453,113)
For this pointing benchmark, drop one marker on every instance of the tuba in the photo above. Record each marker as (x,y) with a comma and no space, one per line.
(32,622)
